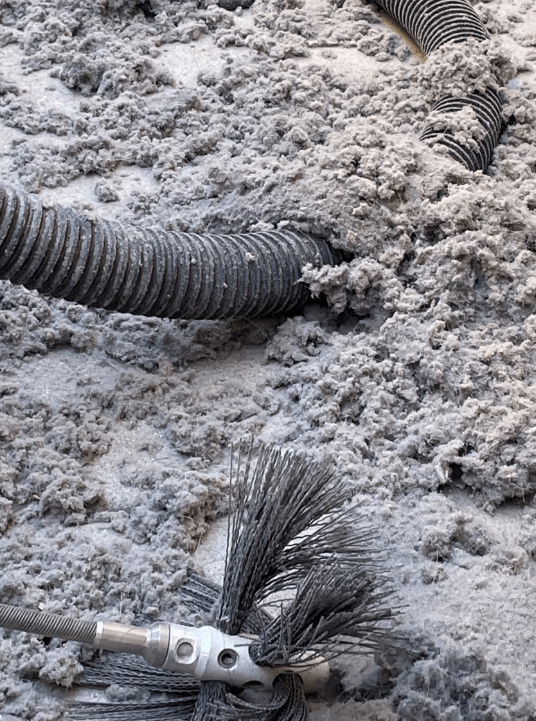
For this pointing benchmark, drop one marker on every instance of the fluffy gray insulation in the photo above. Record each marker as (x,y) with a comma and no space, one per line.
(115,431)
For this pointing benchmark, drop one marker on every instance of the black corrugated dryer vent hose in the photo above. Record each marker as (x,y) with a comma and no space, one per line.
(433,23)
(149,272)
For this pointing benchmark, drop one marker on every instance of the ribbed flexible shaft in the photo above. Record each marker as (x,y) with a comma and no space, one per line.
(149,272)
(47,624)
(432,23)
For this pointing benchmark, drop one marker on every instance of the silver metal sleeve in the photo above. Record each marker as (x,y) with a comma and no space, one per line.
(151,643)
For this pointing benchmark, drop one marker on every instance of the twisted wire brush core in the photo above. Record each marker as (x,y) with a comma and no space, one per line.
(432,23)
(150,272)
(49,625)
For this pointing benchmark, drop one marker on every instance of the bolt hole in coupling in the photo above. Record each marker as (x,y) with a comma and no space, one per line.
(204,653)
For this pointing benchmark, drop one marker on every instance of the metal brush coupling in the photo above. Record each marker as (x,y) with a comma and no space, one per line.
(204,653)
(207,653)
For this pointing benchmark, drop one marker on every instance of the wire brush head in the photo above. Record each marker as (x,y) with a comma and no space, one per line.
(290,538)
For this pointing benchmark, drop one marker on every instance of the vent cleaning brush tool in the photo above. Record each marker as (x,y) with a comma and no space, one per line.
(288,539)
(203,653)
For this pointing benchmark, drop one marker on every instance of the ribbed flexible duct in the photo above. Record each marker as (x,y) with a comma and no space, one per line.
(488,109)
(432,23)
(149,272)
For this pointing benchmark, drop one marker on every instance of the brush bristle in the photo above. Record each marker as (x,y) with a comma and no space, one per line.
(289,536)
(333,610)
(278,499)
(127,670)
(212,702)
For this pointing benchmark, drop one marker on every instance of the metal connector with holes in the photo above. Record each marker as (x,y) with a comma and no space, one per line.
(204,653)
